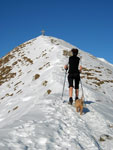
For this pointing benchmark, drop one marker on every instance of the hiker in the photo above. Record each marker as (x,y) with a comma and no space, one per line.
(73,74)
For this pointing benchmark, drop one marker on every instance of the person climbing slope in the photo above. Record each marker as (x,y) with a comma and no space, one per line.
(74,70)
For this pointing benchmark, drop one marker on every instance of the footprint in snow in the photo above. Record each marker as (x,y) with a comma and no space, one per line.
(27,98)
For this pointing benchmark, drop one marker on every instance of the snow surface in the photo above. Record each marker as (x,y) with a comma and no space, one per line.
(32,114)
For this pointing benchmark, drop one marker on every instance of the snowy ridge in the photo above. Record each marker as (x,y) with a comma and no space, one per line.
(32,114)
(102,59)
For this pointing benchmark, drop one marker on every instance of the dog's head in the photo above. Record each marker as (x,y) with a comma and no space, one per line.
(79,102)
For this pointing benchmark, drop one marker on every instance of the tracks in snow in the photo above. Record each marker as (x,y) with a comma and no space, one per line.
(58,127)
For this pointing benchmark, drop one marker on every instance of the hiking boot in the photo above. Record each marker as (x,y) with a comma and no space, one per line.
(76,98)
(71,100)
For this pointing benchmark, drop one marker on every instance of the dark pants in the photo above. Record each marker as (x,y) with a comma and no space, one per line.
(74,77)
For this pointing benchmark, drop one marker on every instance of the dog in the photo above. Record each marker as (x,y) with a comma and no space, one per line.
(79,105)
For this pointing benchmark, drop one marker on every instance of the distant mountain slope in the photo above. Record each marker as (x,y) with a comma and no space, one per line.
(32,114)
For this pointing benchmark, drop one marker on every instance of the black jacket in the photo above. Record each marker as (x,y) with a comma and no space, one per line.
(73,64)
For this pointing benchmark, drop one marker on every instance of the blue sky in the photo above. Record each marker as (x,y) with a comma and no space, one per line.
(87,24)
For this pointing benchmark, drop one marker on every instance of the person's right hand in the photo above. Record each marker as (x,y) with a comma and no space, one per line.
(66,67)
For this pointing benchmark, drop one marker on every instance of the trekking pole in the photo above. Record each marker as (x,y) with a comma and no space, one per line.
(82,88)
(64,84)
(80,78)
(81,83)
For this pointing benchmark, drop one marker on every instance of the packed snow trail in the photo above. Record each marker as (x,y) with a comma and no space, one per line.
(53,126)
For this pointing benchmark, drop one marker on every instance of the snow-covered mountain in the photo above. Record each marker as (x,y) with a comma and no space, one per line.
(32,114)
